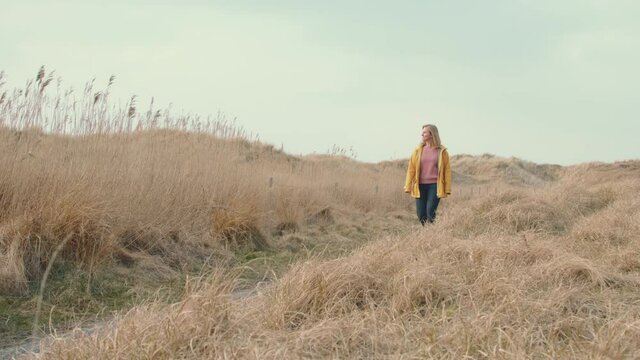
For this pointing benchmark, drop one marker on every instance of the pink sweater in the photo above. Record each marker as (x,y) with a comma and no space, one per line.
(429,165)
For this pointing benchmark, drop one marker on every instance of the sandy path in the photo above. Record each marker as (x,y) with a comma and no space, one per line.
(33,345)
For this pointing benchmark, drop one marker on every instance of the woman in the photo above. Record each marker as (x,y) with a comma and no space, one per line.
(429,174)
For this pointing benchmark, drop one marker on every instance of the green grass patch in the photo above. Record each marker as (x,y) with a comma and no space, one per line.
(72,296)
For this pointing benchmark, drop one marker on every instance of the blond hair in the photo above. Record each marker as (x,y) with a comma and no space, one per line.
(434,142)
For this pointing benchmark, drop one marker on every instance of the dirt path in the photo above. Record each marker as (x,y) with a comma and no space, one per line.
(33,344)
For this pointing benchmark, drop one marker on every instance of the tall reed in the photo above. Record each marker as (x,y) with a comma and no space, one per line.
(121,180)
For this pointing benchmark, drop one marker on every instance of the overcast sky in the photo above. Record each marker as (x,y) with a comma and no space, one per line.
(546,81)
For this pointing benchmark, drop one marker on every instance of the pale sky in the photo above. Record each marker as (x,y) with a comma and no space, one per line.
(544,80)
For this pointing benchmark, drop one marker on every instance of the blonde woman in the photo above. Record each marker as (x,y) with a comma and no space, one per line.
(429,174)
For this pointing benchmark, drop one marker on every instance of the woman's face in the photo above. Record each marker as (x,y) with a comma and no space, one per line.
(426,135)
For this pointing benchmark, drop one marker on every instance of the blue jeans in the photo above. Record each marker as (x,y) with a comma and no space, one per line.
(427,204)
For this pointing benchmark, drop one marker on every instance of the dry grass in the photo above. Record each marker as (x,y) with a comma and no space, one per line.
(524,261)
(149,190)
(122,181)
(518,272)
(499,292)
(149,198)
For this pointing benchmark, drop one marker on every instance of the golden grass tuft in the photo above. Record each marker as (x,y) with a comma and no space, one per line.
(29,241)
(13,277)
(614,226)
(321,290)
(238,229)
(322,216)
(510,212)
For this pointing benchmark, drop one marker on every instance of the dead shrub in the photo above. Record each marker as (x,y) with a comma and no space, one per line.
(125,257)
(284,228)
(294,243)
(171,246)
(323,216)
(237,230)
(13,279)
(147,239)
(30,240)
(288,207)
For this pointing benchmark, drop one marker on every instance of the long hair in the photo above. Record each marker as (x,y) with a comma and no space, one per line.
(434,142)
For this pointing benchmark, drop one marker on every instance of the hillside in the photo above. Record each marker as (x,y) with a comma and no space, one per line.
(157,223)
(154,207)
(521,271)
(513,171)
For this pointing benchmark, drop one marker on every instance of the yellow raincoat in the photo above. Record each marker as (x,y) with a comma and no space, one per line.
(413,173)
